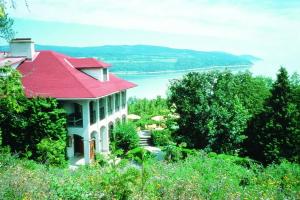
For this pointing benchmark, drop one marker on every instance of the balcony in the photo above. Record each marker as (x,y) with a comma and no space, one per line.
(75,120)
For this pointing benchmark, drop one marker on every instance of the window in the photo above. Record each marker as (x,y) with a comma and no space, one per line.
(124,100)
(102,109)
(117,102)
(92,113)
(110,105)
(75,119)
(105,74)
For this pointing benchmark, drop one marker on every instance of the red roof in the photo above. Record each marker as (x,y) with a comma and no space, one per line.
(80,63)
(51,75)
(11,61)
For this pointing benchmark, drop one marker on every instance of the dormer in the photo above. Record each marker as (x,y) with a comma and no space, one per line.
(94,68)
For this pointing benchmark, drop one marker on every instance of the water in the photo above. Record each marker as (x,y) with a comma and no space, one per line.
(153,85)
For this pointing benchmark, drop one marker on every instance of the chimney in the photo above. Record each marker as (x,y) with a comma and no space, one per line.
(22,47)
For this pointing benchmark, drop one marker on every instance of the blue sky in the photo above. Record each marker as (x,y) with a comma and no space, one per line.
(266,28)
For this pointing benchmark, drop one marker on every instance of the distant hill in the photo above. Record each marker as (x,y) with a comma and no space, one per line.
(146,58)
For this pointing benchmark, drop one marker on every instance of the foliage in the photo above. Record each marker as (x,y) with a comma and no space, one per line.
(26,122)
(214,108)
(295,89)
(161,137)
(6,23)
(52,152)
(275,134)
(174,153)
(11,89)
(125,136)
(148,108)
(138,154)
(201,176)
(101,159)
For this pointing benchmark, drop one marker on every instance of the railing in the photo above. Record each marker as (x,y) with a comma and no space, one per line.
(75,120)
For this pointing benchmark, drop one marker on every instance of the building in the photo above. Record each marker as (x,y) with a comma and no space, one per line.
(93,98)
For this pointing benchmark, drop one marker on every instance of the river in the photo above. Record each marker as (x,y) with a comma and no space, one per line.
(152,85)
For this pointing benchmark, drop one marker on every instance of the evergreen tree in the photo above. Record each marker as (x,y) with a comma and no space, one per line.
(275,132)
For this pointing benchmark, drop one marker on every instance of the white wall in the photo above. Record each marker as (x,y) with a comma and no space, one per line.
(22,49)
(88,128)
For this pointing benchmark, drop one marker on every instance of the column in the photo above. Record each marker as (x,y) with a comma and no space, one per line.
(105,140)
(86,134)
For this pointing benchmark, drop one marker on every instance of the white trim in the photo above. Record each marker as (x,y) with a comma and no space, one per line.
(89,98)
(66,60)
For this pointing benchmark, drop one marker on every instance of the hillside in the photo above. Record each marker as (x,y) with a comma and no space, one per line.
(145,58)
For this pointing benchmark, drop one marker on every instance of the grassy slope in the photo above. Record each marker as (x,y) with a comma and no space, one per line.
(201,177)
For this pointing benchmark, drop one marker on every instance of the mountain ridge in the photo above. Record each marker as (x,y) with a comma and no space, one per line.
(151,58)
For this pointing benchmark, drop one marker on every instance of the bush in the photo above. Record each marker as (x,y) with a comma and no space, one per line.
(161,137)
(124,136)
(52,152)
(139,155)
(201,176)
(24,122)
(40,119)
(101,160)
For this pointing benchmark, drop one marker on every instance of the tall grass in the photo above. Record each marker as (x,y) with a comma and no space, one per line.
(197,177)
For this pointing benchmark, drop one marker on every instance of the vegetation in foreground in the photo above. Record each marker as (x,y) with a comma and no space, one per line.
(34,128)
(201,176)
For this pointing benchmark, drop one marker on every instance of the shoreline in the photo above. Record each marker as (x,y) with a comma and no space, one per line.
(184,70)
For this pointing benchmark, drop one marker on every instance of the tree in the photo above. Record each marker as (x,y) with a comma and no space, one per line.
(24,123)
(125,136)
(275,132)
(295,87)
(6,23)
(214,108)
(11,89)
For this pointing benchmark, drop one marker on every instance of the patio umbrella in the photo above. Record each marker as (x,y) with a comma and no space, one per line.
(158,118)
(133,117)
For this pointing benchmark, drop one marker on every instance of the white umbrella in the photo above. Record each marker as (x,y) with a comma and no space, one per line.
(133,117)
(158,118)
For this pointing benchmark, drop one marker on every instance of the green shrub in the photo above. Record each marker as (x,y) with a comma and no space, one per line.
(100,159)
(161,137)
(143,122)
(125,137)
(138,154)
(173,153)
(52,152)
(202,176)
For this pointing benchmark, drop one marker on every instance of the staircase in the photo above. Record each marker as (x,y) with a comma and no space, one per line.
(145,138)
